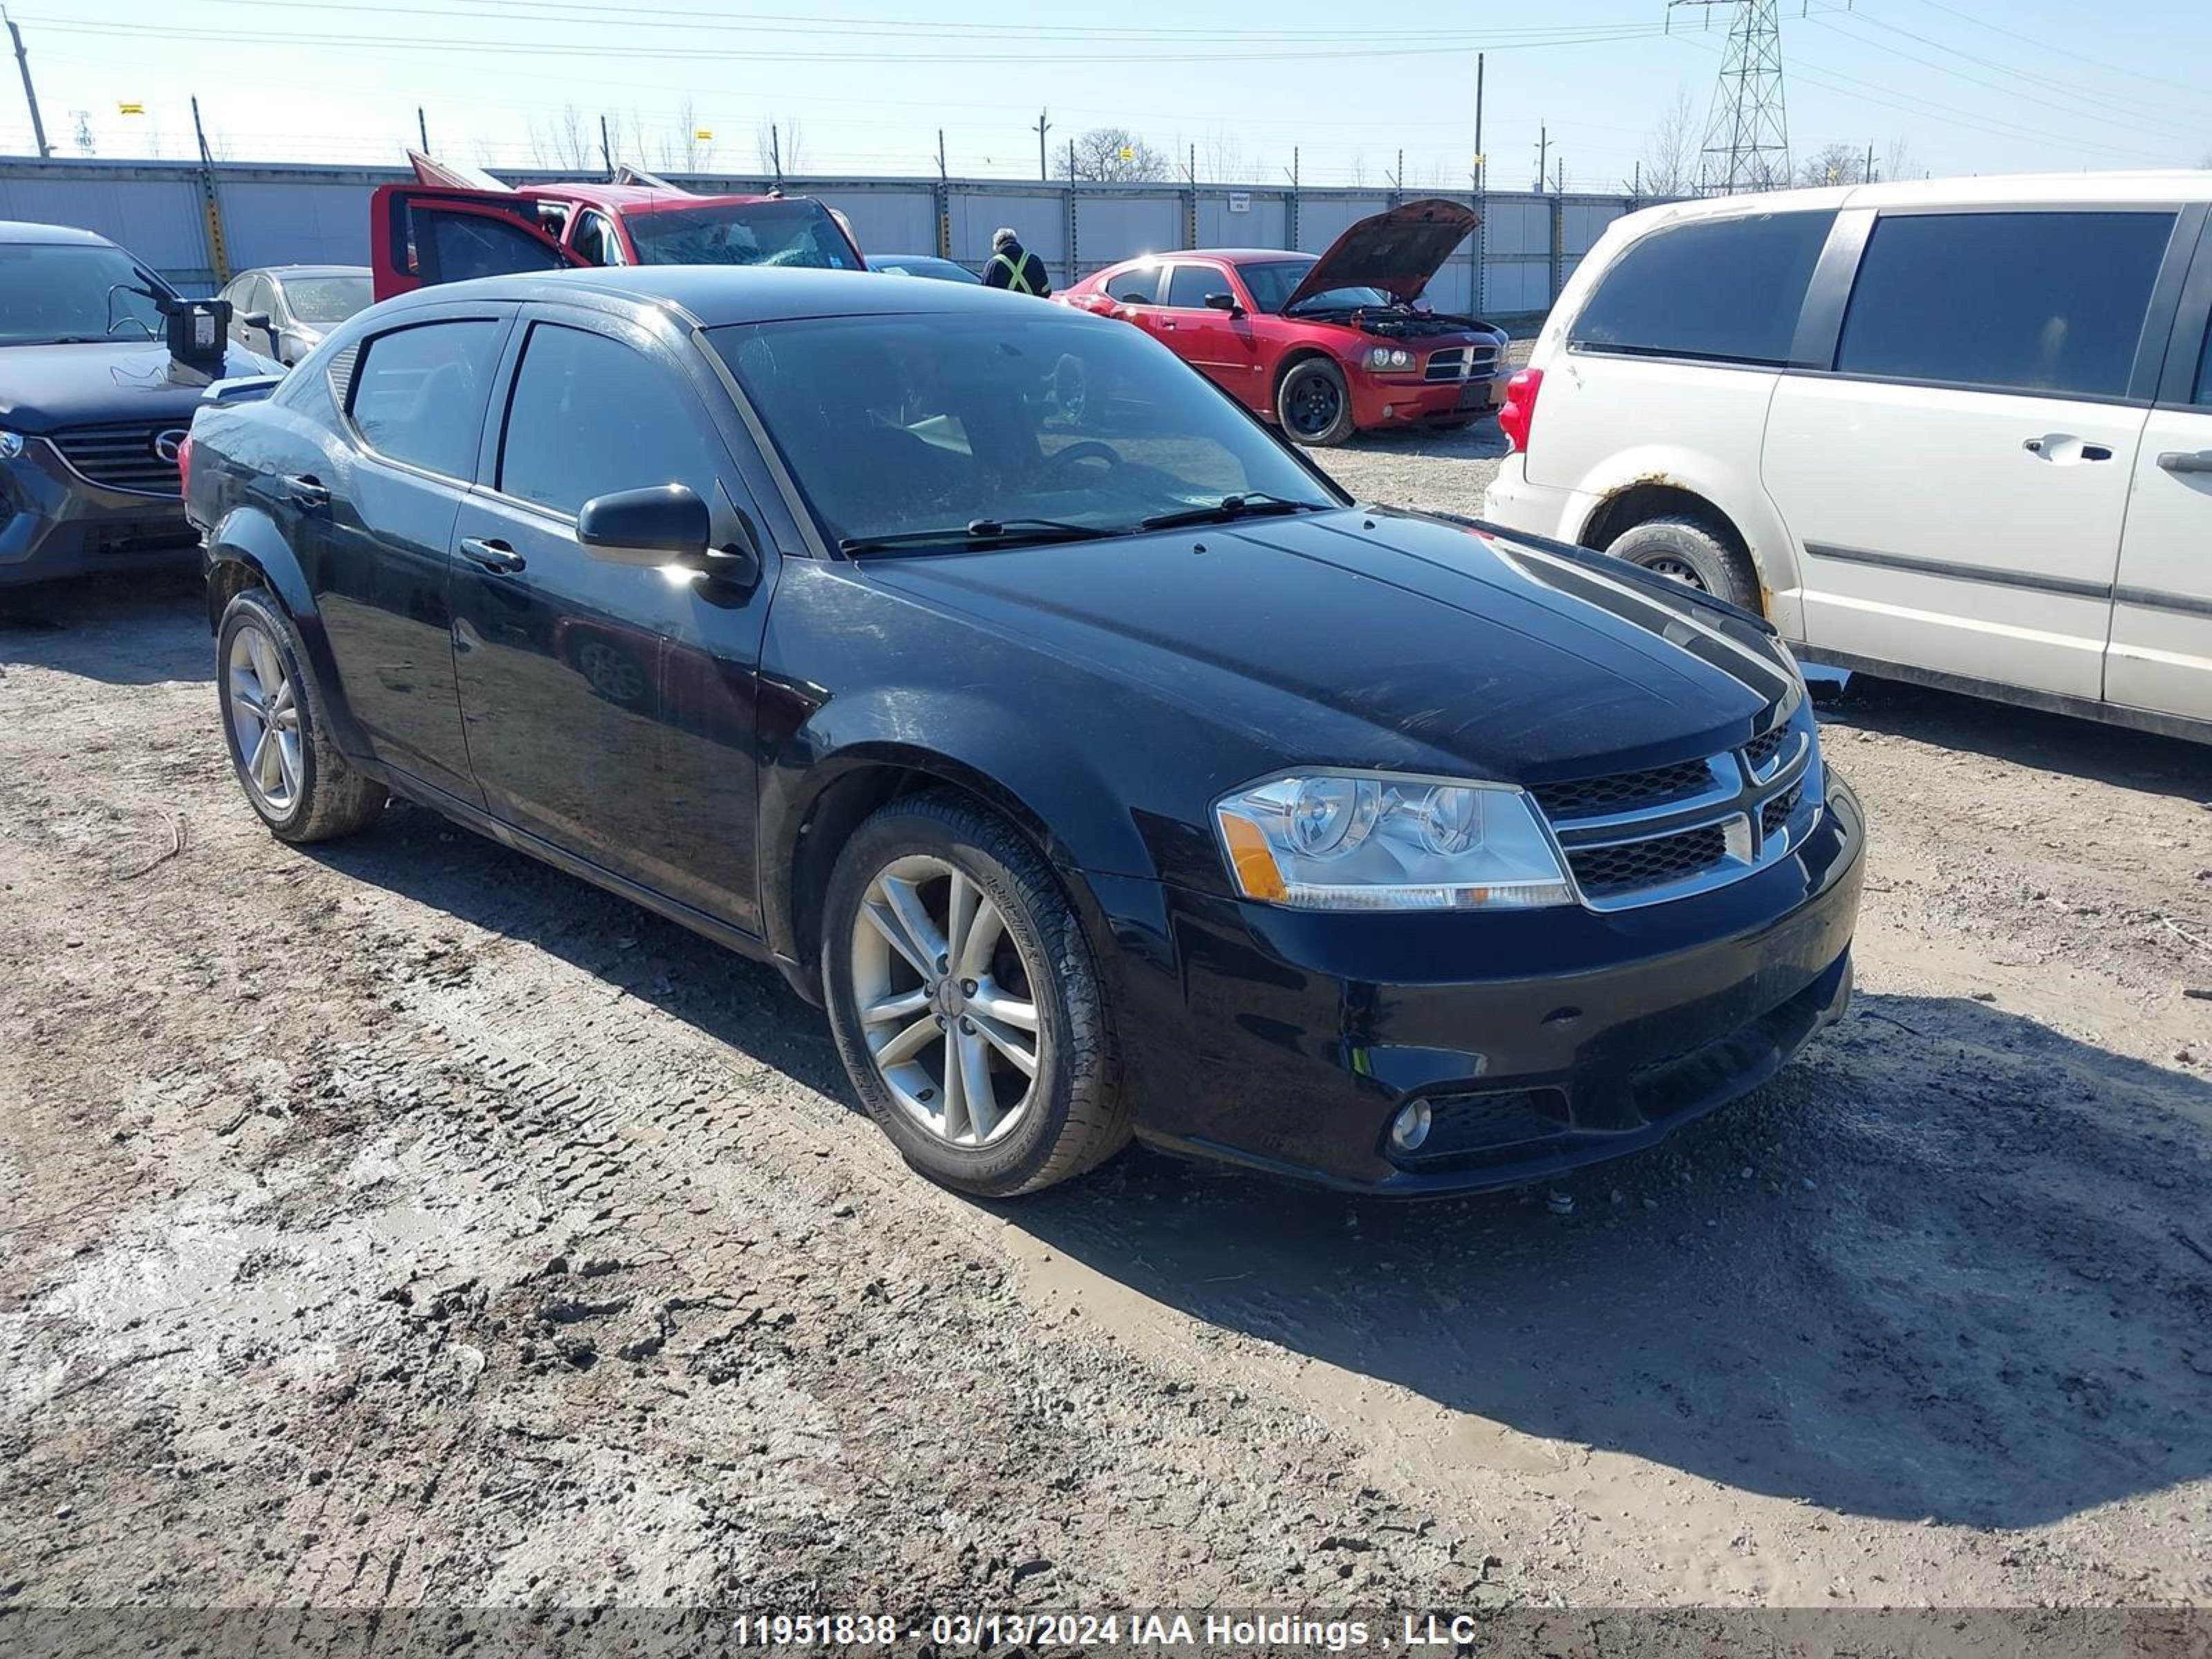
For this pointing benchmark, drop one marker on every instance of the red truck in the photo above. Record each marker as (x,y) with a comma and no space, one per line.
(456,223)
(1323,346)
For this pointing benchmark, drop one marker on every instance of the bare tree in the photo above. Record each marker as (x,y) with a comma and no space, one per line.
(1833,164)
(1897,159)
(567,140)
(678,147)
(1220,157)
(1357,170)
(1113,155)
(1671,155)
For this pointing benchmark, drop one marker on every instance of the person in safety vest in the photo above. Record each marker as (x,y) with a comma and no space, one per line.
(1014,268)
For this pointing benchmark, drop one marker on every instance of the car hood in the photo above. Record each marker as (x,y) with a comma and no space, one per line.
(1396,251)
(1371,638)
(43,388)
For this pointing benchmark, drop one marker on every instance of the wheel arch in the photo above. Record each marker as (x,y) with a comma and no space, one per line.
(247,550)
(1741,515)
(803,833)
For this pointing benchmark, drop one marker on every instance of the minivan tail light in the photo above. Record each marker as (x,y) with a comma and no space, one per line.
(1520,411)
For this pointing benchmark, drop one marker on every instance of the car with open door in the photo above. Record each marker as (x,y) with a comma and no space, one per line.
(1101,778)
(459,223)
(1326,345)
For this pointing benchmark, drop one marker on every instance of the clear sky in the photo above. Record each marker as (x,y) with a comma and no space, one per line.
(1963,86)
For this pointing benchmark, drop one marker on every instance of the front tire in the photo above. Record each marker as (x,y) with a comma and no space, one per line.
(1313,404)
(965,1003)
(1690,552)
(278,728)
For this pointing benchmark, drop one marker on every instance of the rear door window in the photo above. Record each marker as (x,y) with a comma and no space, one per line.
(418,393)
(2049,302)
(1728,291)
(1190,284)
(590,416)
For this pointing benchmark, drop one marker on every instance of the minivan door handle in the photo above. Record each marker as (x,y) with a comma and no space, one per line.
(495,557)
(2183,460)
(2063,449)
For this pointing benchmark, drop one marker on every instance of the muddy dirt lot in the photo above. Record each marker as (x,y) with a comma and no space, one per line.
(403,1222)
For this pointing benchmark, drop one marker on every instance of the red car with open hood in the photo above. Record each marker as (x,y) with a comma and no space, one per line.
(1323,346)
(458,222)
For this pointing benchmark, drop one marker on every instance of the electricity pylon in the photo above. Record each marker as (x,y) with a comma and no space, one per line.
(1747,144)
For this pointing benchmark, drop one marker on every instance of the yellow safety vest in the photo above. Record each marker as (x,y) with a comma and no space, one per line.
(1016,280)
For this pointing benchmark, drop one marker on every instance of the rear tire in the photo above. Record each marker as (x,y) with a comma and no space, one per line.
(1313,404)
(293,775)
(931,1012)
(1690,552)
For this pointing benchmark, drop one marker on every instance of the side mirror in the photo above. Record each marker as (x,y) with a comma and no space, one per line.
(1225,302)
(255,319)
(667,524)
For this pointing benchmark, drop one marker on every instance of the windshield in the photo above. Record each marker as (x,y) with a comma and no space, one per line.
(326,301)
(75,291)
(1272,281)
(742,234)
(896,425)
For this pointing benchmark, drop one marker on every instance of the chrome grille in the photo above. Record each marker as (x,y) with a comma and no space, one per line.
(1635,838)
(1461,363)
(1584,798)
(123,457)
(1629,866)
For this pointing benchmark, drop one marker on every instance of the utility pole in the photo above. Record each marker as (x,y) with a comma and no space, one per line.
(1481,196)
(30,92)
(422,128)
(1543,153)
(1747,144)
(942,175)
(776,151)
(606,150)
(218,255)
(1044,172)
(1867,177)
(1560,188)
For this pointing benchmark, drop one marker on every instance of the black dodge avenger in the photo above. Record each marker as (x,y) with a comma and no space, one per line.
(1103,770)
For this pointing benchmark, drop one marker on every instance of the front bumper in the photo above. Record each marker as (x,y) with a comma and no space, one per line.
(1398,400)
(55,523)
(1285,1041)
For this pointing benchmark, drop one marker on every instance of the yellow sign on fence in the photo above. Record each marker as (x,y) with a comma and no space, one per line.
(130,109)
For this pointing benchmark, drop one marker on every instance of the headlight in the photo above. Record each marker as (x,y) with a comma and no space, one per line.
(1375,841)
(1388,357)
(11,445)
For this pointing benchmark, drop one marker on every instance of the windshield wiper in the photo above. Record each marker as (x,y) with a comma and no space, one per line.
(1251,505)
(980,532)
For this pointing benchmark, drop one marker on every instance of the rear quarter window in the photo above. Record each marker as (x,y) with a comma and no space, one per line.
(1728,290)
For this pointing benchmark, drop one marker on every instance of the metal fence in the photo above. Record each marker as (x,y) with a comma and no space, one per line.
(267,214)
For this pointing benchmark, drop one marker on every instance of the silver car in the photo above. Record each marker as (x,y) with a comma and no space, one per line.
(283,311)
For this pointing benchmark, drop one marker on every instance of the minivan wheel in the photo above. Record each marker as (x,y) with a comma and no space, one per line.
(275,722)
(965,1003)
(1313,403)
(1686,552)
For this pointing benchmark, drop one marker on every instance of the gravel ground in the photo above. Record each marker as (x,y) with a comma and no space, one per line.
(404,1223)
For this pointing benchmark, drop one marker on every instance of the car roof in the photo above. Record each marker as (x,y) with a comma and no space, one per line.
(1229,255)
(615,197)
(282,271)
(2149,187)
(19,231)
(713,296)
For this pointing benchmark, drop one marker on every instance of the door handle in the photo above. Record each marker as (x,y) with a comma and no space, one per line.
(305,491)
(495,557)
(2183,460)
(1167,322)
(2063,449)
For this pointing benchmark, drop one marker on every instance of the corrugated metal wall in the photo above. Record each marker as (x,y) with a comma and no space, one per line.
(283,215)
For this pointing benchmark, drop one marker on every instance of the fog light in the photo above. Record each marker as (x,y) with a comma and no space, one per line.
(1411,1127)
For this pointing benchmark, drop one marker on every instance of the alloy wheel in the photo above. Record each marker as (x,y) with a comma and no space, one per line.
(946,997)
(264,719)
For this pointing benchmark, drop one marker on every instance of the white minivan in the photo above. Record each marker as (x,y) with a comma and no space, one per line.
(1957,432)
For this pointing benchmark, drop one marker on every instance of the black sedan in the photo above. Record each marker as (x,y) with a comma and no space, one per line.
(1101,768)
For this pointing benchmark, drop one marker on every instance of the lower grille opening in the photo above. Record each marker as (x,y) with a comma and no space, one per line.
(1462,1124)
(1774,817)
(1606,871)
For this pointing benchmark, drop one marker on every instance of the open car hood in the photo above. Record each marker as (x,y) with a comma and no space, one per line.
(1396,251)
